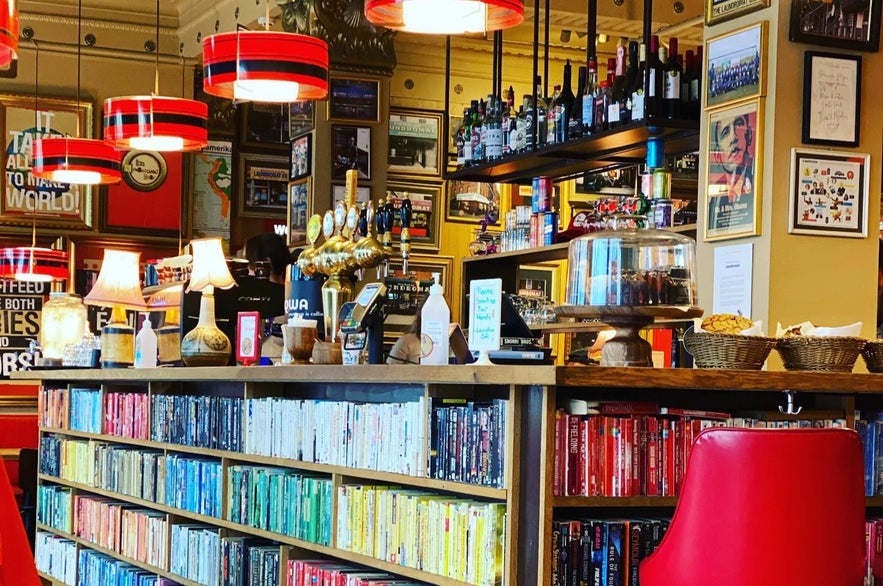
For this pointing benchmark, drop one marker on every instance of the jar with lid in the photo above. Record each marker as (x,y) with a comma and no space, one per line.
(62,322)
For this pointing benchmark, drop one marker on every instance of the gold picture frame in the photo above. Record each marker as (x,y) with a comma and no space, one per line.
(735,65)
(300,197)
(718,11)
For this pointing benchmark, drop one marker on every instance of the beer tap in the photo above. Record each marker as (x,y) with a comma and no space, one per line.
(405,214)
(368,251)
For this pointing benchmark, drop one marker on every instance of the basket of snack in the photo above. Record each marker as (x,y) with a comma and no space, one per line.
(806,347)
(872,352)
(725,340)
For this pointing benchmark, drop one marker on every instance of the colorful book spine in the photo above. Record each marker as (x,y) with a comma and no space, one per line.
(56,557)
(468,440)
(196,553)
(194,420)
(54,506)
(193,484)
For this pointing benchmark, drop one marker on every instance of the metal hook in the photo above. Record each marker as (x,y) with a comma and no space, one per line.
(789,406)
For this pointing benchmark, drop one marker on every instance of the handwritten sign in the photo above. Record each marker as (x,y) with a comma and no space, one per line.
(21,308)
(485,303)
(833,106)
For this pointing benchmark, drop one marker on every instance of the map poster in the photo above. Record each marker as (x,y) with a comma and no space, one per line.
(212,184)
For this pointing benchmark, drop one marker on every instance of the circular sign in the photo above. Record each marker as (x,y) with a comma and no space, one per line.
(144,170)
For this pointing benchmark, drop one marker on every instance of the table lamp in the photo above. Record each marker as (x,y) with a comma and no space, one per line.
(206,344)
(119,287)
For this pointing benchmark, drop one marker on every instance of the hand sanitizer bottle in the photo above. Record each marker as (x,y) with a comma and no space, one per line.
(435,319)
(145,346)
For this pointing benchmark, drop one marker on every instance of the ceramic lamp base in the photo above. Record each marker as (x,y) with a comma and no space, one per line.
(206,346)
(117,341)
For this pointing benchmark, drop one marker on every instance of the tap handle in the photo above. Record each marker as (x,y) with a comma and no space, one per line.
(406,213)
(363,220)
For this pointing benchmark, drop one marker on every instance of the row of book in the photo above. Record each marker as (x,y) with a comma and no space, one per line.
(199,421)
(196,553)
(54,506)
(53,407)
(193,484)
(94,411)
(125,415)
(468,441)
(249,561)
(138,534)
(202,555)
(454,537)
(333,573)
(870,429)
(56,557)
(874,552)
(282,501)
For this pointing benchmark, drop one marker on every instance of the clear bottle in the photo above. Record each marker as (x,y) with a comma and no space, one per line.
(145,346)
(435,319)
(542,108)
(575,128)
(478,133)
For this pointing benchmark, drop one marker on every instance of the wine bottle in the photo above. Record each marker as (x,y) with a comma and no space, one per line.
(567,122)
(655,74)
(541,107)
(672,87)
(575,129)
(529,123)
(635,79)
(460,140)
(552,116)
(588,97)
(494,132)
(467,133)
(616,107)
(478,133)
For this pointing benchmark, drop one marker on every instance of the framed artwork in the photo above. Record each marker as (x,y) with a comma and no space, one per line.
(717,11)
(831,98)
(150,198)
(406,291)
(23,119)
(425,218)
(263,186)
(264,125)
(829,193)
(353,100)
(301,156)
(733,171)
(351,149)
(301,117)
(212,190)
(363,194)
(845,25)
(299,198)
(472,201)
(415,142)
(736,65)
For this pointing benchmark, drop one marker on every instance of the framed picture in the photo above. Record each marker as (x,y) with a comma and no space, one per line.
(351,149)
(212,190)
(845,25)
(301,117)
(829,193)
(425,218)
(263,186)
(150,198)
(472,201)
(831,98)
(264,125)
(415,142)
(299,198)
(736,65)
(717,11)
(301,156)
(733,180)
(363,194)
(353,100)
(406,291)
(24,118)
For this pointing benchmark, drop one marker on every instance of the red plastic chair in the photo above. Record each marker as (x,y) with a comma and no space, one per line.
(16,560)
(766,507)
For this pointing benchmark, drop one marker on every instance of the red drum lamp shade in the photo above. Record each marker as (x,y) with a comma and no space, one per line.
(75,160)
(265,66)
(445,17)
(155,123)
(29,263)
(8,32)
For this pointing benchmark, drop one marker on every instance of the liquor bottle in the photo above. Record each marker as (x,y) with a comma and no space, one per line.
(634,79)
(611,70)
(616,113)
(477,129)
(575,129)
(542,109)
(460,140)
(552,119)
(505,128)
(468,160)
(588,97)
(519,140)
(602,106)
(493,124)
(672,87)
(693,97)
(655,73)
(529,124)
(568,124)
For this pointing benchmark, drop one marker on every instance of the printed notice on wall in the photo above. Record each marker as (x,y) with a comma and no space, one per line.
(485,302)
(732,279)
(22,307)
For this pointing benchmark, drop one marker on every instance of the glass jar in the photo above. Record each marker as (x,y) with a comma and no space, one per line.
(62,323)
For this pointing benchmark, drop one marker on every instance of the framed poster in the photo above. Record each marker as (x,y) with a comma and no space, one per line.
(212,190)
(301,117)
(415,142)
(299,198)
(717,11)
(829,193)
(264,125)
(733,171)
(425,219)
(353,100)
(845,25)
(363,194)
(301,156)
(736,65)
(472,201)
(831,98)
(405,291)
(24,198)
(351,149)
(263,186)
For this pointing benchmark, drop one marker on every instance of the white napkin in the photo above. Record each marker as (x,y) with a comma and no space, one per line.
(808,329)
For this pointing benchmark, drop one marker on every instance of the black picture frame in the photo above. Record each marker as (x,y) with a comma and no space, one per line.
(353,100)
(832,88)
(351,149)
(301,157)
(301,117)
(262,186)
(264,126)
(821,23)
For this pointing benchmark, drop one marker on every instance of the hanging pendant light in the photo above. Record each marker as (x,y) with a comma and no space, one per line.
(8,32)
(445,17)
(155,122)
(265,66)
(32,263)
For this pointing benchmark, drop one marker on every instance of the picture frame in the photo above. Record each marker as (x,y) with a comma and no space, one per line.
(831,99)
(734,172)
(301,117)
(471,201)
(405,292)
(264,126)
(212,190)
(300,197)
(426,200)
(353,99)
(718,11)
(363,193)
(262,183)
(736,65)
(301,156)
(829,193)
(857,28)
(67,205)
(415,142)
(351,149)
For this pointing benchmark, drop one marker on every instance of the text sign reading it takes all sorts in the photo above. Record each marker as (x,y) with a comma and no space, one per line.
(485,301)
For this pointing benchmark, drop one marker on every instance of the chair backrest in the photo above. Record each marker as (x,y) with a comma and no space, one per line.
(766,507)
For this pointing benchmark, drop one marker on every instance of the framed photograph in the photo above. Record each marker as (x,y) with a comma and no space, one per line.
(263,186)
(299,198)
(405,291)
(829,193)
(22,119)
(338,193)
(425,219)
(717,11)
(301,156)
(845,25)
(472,201)
(351,149)
(736,65)
(212,190)
(415,142)
(301,117)
(353,100)
(831,98)
(264,125)
(734,177)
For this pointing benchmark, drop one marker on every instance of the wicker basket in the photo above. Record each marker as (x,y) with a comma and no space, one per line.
(827,353)
(714,350)
(872,352)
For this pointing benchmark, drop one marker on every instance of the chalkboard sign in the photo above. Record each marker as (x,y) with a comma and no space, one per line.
(485,305)
(21,308)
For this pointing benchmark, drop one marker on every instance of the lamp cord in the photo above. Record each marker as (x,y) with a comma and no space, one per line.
(156,51)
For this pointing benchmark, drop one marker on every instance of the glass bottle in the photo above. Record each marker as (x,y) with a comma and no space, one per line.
(588,97)
(552,116)
(460,140)
(568,124)
(672,84)
(655,74)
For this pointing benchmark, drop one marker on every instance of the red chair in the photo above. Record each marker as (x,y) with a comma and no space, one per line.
(16,560)
(766,507)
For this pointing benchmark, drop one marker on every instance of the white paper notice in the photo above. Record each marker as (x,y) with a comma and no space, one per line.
(484,314)
(732,279)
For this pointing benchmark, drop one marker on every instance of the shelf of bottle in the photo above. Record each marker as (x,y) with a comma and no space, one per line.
(621,146)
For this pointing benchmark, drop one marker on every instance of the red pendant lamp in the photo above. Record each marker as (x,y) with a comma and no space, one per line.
(31,263)
(445,17)
(8,32)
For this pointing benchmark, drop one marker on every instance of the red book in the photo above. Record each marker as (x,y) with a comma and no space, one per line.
(700,413)
(651,474)
(557,468)
(583,468)
(595,456)
(668,454)
(628,408)
(572,465)
(637,450)
(627,428)
(678,472)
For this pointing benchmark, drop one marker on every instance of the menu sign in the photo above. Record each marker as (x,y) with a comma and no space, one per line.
(21,308)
